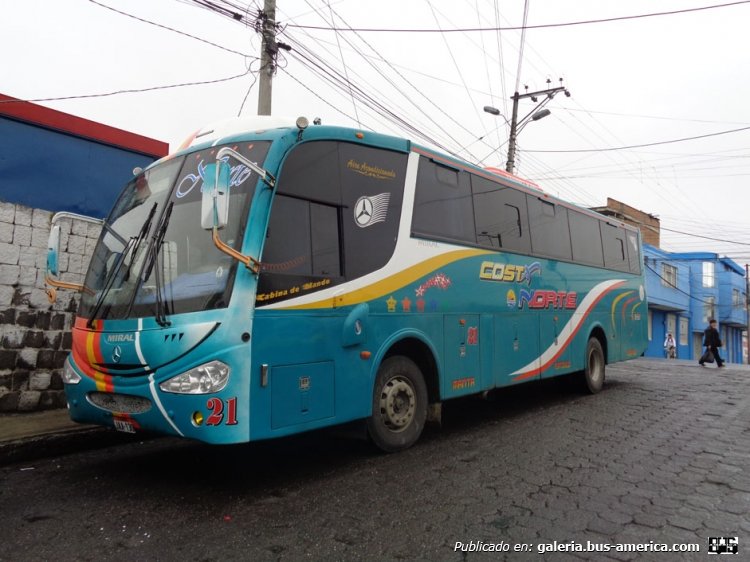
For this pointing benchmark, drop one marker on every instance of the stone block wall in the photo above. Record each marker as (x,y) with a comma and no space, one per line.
(34,334)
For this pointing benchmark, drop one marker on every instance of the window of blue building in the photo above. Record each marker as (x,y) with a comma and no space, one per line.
(709,274)
(668,275)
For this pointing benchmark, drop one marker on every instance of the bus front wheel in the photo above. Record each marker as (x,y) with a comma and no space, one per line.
(593,375)
(399,405)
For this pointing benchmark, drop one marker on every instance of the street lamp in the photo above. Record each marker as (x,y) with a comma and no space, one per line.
(516,127)
(534,115)
(541,114)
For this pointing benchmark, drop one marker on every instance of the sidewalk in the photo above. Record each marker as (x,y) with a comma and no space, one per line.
(26,437)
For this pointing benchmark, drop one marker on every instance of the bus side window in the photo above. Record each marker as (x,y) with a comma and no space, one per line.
(613,239)
(634,257)
(500,216)
(550,234)
(288,245)
(372,193)
(443,206)
(302,239)
(586,239)
(324,227)
(336,211)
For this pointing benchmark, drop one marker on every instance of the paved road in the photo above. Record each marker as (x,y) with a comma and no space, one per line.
(662,455)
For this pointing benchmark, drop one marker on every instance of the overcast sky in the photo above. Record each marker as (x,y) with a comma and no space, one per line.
(632,82)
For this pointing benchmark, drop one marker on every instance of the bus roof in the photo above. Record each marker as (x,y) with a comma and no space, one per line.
(239,128)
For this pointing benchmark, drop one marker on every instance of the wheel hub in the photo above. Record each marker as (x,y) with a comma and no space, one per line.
(397,403)
(596,370)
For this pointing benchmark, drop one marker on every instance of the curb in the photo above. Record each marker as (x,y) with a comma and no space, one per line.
(62,443)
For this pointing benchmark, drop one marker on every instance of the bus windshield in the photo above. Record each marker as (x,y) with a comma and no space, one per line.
(153,258)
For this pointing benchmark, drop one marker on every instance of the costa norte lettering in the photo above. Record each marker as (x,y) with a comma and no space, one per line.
(549,299)
(491,271)
(509,273)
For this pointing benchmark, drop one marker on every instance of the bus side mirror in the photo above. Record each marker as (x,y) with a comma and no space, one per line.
(215,198)
(53,251)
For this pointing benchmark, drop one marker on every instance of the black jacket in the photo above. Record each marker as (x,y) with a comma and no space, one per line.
(711,337)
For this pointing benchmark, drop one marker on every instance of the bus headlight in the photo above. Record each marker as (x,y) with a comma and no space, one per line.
(69,375)
(204,379)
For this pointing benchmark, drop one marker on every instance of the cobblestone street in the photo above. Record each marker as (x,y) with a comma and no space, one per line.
(662,455)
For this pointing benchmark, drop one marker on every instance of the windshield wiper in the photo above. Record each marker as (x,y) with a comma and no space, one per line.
(153,264)
(130,248)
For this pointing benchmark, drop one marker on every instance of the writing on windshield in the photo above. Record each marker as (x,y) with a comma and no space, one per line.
(239,174)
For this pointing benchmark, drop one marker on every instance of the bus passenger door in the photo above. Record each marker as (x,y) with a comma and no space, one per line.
(516,347)
(461,373)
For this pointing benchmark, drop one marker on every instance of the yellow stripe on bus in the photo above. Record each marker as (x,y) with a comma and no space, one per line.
(614,305)
(392,283)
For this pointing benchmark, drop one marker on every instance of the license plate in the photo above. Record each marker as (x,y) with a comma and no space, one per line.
(124,426)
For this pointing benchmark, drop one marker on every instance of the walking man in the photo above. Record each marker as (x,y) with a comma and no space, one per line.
(712,341)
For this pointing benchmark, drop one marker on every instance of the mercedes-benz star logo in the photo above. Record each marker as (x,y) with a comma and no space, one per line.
(371,209)
(117,354)
(363,214)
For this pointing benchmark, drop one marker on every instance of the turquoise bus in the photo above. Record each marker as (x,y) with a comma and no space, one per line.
(271,278)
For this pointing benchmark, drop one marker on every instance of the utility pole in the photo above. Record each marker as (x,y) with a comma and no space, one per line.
(268,51)
(511,164)
(533,115)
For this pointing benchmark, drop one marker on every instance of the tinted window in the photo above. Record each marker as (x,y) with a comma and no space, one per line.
(585,239)
(335,216)
(372,190)
(288,242)
(312,172)
(634,255)
(500,216)
(324,231)
(615,251)
(549,229)
(442,204)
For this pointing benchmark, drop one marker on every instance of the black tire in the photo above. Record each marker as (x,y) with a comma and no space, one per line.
(592,378)
(399,405)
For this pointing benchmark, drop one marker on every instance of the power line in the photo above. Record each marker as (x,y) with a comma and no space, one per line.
(390,114)
(247,94)
(131,90)
(324,71)
(706,237)
(455,63)
(661,117)
(523,27)
(343,63)
(173,29)
(670,284)
(643,145)
(321,98)
(522,43)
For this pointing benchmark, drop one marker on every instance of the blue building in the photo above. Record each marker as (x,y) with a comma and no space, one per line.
(684,291)
(669,302)
(59,162)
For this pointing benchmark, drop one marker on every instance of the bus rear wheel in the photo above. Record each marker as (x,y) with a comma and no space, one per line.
(592,379)
(399,405)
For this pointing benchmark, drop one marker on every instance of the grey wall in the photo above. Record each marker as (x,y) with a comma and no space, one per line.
(34,334)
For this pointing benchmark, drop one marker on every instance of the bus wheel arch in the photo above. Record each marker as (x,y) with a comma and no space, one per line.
(598,333)
(593,375)
(424,357)
(404,384)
